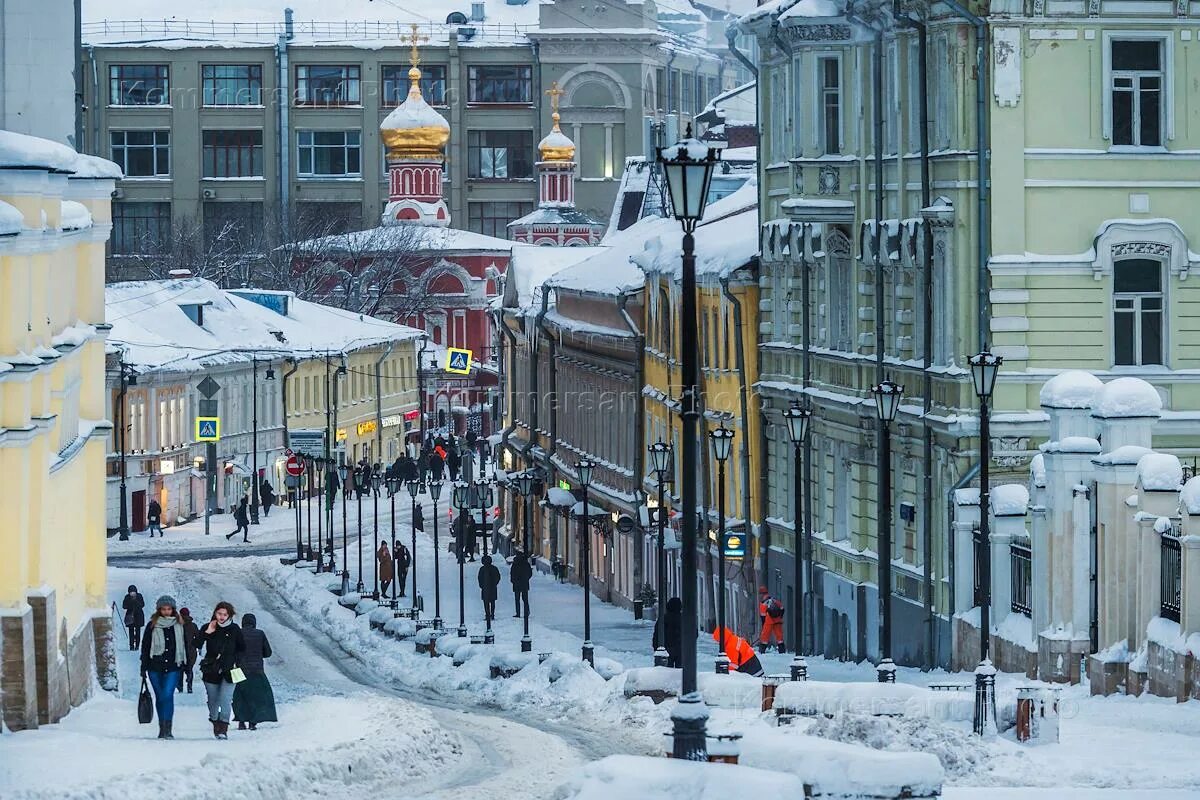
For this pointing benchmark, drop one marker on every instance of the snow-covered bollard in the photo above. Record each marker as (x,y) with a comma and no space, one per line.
(1037,714)
(505,665)
(350,600)
(769,684)
(799,668)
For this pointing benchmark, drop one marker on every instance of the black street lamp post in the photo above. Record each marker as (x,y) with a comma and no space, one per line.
(393,484)
(343,470)
(376,482)
(462,501)
(435,492)
(414,488)
(688,166)
(722,440)
(887,403)
(308,484)
(361,481)
(584,470)
(660,460)
(270,376)
(319,465)
(797,418)
(481,501)
(524,483)
(985,366)
(128,378)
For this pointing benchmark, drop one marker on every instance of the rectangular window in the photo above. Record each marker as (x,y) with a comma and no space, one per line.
(138,85)
(1137,312)
(328,85)
(830,102)
(395,84)
(233,154)
(500,155)
(335,154)
(1137,88)
(142,154)
(673,92)
(231,84)
(685,101)
(327,218)
(493,218)
(660,89)
(141,228)
(500,84)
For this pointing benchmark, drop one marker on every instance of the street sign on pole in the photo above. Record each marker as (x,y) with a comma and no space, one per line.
(735,545)
(294,465)
(208,429)
(307,441)
(458,361)
(208,387)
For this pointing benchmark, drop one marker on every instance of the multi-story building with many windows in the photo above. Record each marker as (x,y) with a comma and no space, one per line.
(218,125)
(882,258)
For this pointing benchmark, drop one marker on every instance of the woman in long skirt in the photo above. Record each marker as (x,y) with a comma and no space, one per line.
(253,700)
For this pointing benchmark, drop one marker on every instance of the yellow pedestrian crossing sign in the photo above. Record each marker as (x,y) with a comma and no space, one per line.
(208,429)
(458,361)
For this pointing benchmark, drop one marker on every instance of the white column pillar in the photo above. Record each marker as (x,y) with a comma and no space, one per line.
(1189,617)
(608,150)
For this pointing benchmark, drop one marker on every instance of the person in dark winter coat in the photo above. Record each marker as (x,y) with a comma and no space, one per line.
(519,574)
(134,606)
(669,635)
(165,645)
(402,561)
(223,646)
(253,700)
(453,460)
(241,515)
(154,519)
(489,579)
(192,630)
(383,558)
(266,497)
(437,467)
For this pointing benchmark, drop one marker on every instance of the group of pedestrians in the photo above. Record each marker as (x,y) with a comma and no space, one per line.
(232,666)
(393,564)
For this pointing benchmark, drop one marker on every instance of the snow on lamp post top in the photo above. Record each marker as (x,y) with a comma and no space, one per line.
(985,366)
(688,165)
(660,456)
(887,399)
(797,418)
(722,439)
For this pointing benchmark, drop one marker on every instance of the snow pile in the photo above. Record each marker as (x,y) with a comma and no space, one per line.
(823,698)
(1009,500)
(954,752)
(19,151)
(11,220)
(1128,454)
(1037,471)
(1018,629)
(1070,389)
(1072,444)
(1190,496)
(642,778)
(74,216)
(1167,634)
(1159,472)
(1128,397)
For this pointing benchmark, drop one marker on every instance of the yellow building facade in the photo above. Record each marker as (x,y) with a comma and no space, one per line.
(54,627)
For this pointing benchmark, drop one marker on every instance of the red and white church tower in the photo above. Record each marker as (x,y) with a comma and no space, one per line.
(556,222)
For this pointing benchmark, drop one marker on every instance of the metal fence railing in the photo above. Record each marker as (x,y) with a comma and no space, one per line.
(1021,571)
(1171,577)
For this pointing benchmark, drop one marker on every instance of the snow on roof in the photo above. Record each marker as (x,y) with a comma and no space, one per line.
(1190,496)
(1009,500)
(1126,454)
(391,237)
(11,220)
(1159,472)
(1037,470)
(1128,397)
(726,239)
(812,8)
(86,166)
(612,270)
(74,216)
(1071,389)
(150,325)
(533,265)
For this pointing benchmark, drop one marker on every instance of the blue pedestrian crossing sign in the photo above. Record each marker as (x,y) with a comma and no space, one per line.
(208,429)
(458,361)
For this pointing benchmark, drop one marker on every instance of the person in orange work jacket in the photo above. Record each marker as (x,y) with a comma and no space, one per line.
(741,654)
(770,613)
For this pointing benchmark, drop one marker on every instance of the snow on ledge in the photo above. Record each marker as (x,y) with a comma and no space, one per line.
(1009,500)
(1159,472)
(11,220)
(1071,389)
(74,216)
(1128,454)
(1189,497)
(1128,397)
(1072,444)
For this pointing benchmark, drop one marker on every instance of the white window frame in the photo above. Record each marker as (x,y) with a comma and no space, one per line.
(1167,101)
(819,93)
(1138,311)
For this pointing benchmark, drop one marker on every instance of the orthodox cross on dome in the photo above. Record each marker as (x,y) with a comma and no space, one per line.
(412,40)
(554,93)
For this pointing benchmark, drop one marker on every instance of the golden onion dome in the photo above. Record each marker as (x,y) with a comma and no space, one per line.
(556,146)
(414,129)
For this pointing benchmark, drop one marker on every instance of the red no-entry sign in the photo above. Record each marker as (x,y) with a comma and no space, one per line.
(295,466)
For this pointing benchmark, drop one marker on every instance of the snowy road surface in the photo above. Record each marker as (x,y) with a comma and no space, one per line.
(344,731)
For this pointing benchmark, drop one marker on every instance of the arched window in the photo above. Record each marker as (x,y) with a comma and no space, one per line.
(1137,312)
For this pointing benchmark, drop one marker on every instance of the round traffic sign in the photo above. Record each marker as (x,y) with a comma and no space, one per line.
(294,465)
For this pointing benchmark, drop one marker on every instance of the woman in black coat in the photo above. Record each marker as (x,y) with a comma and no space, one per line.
(489,579)
(519,574)
(670,634)
(223,646)
(266,496)
(253,700)
(241,515)
(134,606)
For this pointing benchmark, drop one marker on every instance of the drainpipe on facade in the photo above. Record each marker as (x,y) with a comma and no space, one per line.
(639,438)
(951,572)
(283,396)
(379,400)
(506,381)
(421,392)
(744,412)
(282,122)
(94,109)
(553,364)
(983,195)
(927,336)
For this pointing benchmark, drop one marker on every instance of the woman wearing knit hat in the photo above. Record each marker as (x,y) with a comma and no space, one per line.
(165,645)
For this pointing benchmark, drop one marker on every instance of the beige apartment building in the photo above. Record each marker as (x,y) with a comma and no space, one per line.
(219,126)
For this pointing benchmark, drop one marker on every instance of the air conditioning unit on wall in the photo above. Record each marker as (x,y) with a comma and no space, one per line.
(209,194)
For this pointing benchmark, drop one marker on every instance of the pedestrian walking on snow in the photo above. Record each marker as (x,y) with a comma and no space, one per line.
(266,496)
(519,573)
(134,606)
(453,460)
(253,700)
(669,635)
(437,466)
(164,655)
(154,519)
(193,633)
(402,561)
(383,556)
(241,515)
(223,647)
(489,579)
